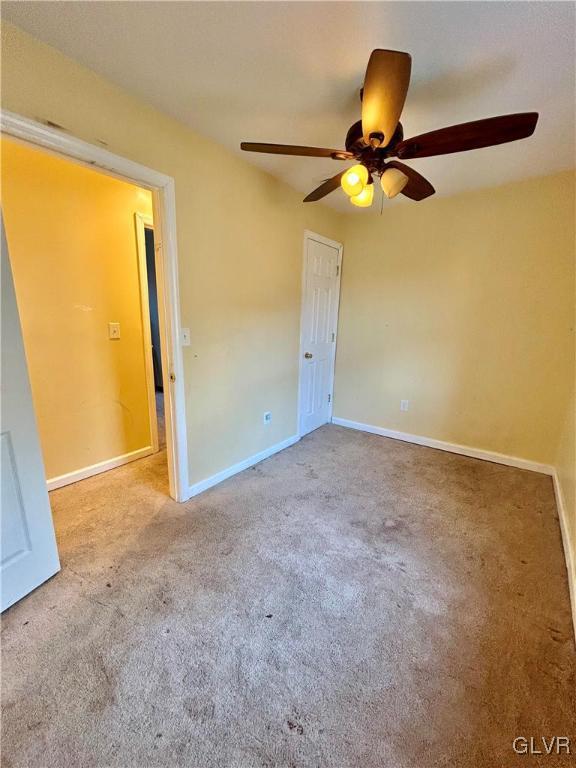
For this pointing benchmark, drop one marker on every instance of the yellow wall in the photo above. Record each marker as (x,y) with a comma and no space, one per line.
(464,307)
(239,243)
(72,245)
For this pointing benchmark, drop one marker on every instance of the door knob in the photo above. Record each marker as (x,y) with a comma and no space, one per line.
(308,355)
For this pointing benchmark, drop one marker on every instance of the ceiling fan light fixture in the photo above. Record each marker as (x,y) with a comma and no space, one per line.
(393,182)
(379,135)
(364,199)
(354,180)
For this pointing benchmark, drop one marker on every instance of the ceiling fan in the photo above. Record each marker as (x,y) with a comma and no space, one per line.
(379,136)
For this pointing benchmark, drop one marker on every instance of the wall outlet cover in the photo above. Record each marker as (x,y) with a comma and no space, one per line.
(404,405)
(267,417)
(113,330)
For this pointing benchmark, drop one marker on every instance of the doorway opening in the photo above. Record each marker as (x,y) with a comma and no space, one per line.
(68,315)
(87,292)
(162,188)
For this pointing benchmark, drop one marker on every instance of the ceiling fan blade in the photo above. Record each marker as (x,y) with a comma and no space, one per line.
(417,188)
(290,149)
(474,135)
(385,87)
(324,189)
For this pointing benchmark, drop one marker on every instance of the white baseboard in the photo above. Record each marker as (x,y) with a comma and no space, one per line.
(203,485)
(463,450)
(96,469)
(569,553)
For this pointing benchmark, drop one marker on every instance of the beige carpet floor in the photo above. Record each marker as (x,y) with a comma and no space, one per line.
(352,602)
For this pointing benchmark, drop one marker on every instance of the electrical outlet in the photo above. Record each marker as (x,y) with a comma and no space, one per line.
(113,330)
(404,405)
(267,417)
(185,337)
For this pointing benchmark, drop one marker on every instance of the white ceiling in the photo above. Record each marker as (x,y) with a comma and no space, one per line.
(290,73)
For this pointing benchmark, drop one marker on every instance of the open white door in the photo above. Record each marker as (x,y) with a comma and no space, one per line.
(318,329)
(28,545)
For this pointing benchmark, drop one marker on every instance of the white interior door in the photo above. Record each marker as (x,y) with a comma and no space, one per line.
(319,326)
(28,554)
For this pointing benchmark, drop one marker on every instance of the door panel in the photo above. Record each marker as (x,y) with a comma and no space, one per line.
(28,554)
(320,295)
(14,531)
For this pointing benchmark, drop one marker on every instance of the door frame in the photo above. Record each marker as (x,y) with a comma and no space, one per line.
(310,235)
(164,211)
(142,222)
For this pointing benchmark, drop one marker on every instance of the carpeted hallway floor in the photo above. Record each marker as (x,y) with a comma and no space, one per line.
(352,602)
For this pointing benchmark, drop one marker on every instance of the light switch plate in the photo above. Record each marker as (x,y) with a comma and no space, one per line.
(113,330)
(185,332)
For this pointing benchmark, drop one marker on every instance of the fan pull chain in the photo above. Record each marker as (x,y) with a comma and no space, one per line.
(381,201)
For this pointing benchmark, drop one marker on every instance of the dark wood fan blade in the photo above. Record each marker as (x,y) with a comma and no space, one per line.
(385,88)
(290,149)
(324,189)
(474,135)
(417,188)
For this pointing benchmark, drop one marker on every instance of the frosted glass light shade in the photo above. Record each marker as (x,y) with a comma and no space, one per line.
(393,182)
(364,199)
(354,180)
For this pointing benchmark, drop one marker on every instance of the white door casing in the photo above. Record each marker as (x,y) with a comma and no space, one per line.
(28,546)
(318,330)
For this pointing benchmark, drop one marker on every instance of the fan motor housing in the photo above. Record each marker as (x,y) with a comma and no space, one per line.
(370,156)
